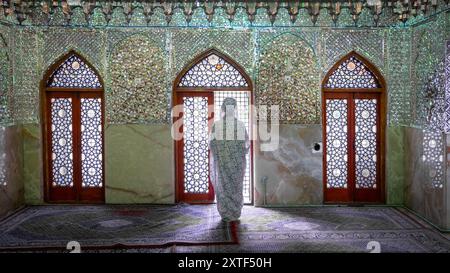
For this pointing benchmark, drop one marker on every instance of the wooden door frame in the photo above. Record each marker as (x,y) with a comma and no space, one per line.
(199,198)
(45,119)
(369,194)
(178,91)
(382,119)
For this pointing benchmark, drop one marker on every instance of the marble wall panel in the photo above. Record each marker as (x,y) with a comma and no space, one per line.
(11,182)
(395,165)
(420,196)
(32,164)
(294,173)
(139,164)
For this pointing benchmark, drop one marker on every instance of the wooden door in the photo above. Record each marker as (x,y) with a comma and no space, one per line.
(194,185)
(352,147)
(75,146)
(62,146)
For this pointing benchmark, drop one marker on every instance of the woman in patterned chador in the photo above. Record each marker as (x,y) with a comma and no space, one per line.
(229,145)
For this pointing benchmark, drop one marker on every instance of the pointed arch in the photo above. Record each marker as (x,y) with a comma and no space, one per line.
(72,71)
(213,69)
(72,101)
(353,71)
(354,122)
(206,81)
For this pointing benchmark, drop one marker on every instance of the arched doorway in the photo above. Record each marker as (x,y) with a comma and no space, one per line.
(353,102)
(73,117)
(200,89)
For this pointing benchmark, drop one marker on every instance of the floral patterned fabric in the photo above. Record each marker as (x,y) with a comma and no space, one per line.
(229,145)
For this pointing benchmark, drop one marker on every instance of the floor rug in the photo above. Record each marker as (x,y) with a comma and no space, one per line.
(106,227)
(331,229)
(292,230)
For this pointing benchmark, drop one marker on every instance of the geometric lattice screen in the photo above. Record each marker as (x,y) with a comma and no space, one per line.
(196,161)
(243,114)
(62,142)
(366,143)
(91,142)
(352,73)
(74,73)
(213,71)
(336,143)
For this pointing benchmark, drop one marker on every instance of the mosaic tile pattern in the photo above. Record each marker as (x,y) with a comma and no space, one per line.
(137,91)
(6,95)
(447,90)
(115,36)
(188,44)
(222,13)
(27,76)
(398,77)
(267,36)
(35,49)
(288,77)
(428,50)
(429,98)
(369,43)
(435,101)
(89,43)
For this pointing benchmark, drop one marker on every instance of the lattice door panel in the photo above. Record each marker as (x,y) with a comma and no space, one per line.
(366,112)
(75,146)
(61,168)
(62,142)
(337,143)
(337,147)
(193,153)
(90,139)
(366,143)
(351,150)
(243,114)
(91,143)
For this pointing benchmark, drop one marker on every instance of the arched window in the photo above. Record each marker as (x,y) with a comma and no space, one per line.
(353,121)
(213,71)
(207,81)
(352,73)
(74,73)
(73,131)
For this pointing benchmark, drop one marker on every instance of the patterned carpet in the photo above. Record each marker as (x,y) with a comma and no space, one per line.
(303,229)
(333,229)
(99,227)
